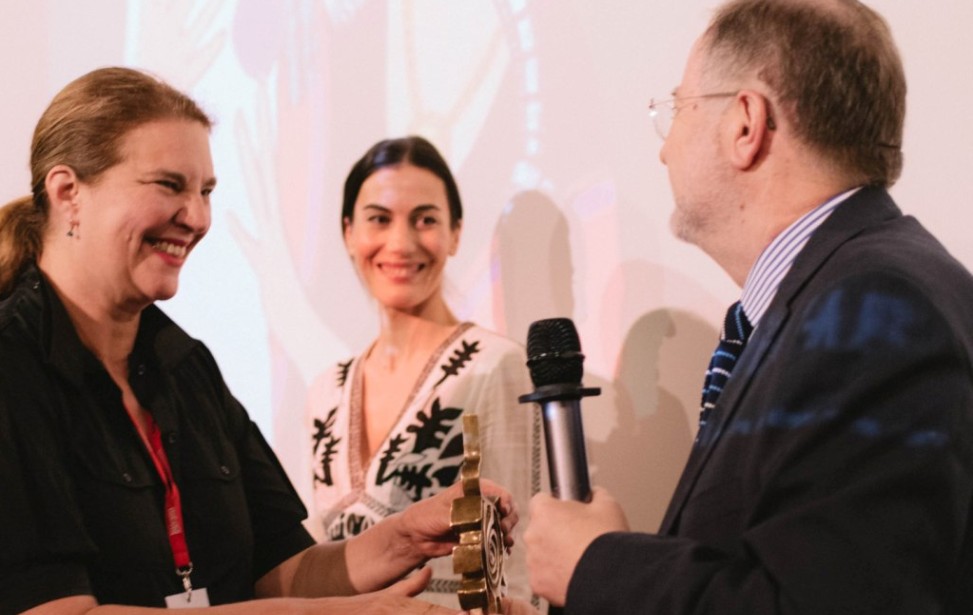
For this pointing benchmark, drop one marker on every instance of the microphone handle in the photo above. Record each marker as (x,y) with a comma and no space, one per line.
(566,457)
(567,460)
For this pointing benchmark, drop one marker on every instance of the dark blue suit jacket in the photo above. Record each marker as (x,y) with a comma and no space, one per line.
(836,474)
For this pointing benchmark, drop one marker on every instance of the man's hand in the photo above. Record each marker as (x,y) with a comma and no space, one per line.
(558,534)
(512,606)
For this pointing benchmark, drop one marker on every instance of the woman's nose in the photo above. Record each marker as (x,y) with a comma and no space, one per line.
(401,237)
(194,214)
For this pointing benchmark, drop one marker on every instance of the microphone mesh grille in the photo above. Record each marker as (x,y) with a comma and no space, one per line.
(554,352)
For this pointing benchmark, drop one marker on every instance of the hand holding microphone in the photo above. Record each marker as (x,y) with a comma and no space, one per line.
(556,365)
(559,534)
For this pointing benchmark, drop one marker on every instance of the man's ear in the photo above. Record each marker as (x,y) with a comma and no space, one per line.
(751,128)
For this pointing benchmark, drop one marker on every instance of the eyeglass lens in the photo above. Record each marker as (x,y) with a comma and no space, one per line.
(661,112)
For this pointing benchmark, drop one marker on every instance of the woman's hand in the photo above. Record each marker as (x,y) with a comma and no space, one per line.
(424,526)
(394,600)
(406,540)
(410,586)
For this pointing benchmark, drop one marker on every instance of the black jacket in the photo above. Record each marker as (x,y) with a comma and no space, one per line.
(836,475)
(81,504)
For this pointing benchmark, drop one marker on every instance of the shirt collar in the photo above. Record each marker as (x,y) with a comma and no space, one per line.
(777,258)
(159,340)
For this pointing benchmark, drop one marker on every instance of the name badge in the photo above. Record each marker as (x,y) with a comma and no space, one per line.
(188,600)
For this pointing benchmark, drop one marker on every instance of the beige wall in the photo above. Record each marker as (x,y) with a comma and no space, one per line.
(540,108)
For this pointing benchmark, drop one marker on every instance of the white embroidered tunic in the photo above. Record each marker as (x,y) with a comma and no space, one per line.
(474,370)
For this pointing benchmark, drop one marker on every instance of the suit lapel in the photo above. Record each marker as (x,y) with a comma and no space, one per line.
(867,207)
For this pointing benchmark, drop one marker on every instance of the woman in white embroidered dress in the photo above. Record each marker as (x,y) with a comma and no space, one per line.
(385,426)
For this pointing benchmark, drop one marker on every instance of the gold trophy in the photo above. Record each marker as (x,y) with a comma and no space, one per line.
(476,521)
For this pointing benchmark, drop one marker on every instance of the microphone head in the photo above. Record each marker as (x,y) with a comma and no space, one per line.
(554,352)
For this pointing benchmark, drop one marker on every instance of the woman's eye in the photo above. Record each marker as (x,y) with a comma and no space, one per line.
(171,185)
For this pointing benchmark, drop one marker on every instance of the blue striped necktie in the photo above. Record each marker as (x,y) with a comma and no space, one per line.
(733,338)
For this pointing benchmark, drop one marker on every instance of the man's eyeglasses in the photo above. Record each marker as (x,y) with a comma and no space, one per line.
(664,111)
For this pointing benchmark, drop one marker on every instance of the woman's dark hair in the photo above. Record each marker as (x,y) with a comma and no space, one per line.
(412,150)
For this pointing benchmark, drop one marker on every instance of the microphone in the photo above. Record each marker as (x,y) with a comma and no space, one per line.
(555,362)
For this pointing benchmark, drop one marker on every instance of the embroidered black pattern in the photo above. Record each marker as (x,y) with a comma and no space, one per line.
(446,475)
(324,433)
(388,456)
(434,459)
(443,586)
(422,468)
(454,448)
(343,369)
(415,479)
(347,525)
(430,429)
(461,356)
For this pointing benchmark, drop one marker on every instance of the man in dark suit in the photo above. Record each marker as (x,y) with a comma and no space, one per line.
(833,471)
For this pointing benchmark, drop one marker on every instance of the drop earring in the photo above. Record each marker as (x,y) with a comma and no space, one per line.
(72,232)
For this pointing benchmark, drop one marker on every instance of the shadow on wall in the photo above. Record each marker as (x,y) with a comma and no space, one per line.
(530,270)
(656,398)
(533,279)
(639,431)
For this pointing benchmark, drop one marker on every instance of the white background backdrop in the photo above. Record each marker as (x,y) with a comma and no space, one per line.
(540,108)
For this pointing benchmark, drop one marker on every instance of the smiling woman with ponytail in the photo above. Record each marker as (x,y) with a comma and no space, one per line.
(129,473)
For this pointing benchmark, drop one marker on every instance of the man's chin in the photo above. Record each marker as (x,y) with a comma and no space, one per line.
(680,229)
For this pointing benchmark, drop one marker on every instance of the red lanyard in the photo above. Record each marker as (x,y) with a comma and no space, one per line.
(173,505)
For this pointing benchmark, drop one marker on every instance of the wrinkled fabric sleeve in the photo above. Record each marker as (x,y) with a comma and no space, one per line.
(275,509)
(43,543)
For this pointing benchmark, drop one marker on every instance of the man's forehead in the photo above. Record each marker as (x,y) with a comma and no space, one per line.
(693,70)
